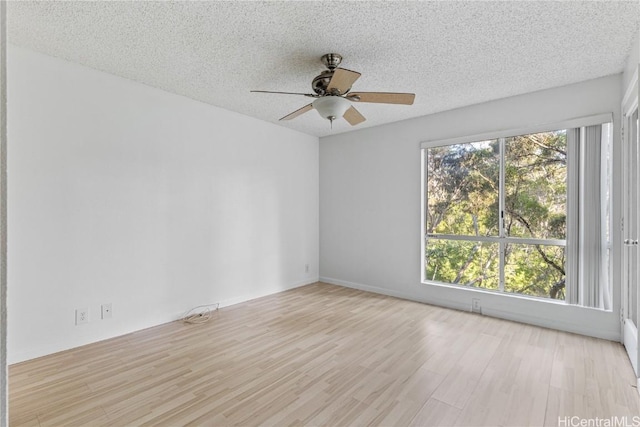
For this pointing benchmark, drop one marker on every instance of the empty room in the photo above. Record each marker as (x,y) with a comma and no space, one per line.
(319,213)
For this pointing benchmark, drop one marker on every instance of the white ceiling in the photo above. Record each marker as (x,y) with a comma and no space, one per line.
(450,54)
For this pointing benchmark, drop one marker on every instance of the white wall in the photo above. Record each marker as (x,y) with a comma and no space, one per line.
(121,193)
(631,64)
(4,390)
(370,203)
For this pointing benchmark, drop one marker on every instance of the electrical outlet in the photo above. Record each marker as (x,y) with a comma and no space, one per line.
(82,316)
(475,305)
(306,268)
(106,311)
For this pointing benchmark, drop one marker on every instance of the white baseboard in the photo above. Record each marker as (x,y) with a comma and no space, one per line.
(266,292)
(384,291)
(44,349)
(525,310)
(589,325)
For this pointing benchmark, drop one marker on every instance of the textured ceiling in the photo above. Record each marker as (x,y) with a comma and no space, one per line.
(450,54)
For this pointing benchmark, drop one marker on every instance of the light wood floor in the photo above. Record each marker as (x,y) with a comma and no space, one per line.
(326,355)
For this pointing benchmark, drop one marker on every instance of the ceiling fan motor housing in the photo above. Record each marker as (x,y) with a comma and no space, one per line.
(321,81)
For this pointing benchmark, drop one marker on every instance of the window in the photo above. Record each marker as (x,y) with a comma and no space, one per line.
(496,213)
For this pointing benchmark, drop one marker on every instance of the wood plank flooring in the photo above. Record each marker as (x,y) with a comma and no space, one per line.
(327,355)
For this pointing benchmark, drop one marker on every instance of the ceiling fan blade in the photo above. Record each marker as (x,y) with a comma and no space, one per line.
(382,97)
(353,116)
(342,80)
(298,112)
(287,93)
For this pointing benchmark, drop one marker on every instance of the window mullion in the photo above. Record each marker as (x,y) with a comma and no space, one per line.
(501,202)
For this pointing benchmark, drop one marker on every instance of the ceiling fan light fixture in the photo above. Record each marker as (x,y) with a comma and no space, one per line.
(331,107)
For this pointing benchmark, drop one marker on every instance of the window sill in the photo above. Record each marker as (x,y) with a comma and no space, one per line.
(482,291)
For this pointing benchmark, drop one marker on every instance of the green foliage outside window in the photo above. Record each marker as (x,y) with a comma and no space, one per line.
(463,199)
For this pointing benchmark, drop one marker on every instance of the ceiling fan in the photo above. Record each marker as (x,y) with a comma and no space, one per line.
(333,97)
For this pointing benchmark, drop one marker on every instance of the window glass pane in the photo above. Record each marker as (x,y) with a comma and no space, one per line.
(464,263)
(462,189)
(536,185)
(537,270)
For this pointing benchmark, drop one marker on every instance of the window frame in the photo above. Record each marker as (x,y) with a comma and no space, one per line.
(501,239)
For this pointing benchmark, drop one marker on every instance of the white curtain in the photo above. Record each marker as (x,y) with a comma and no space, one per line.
(604,290)
(587,212)
(573,215)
